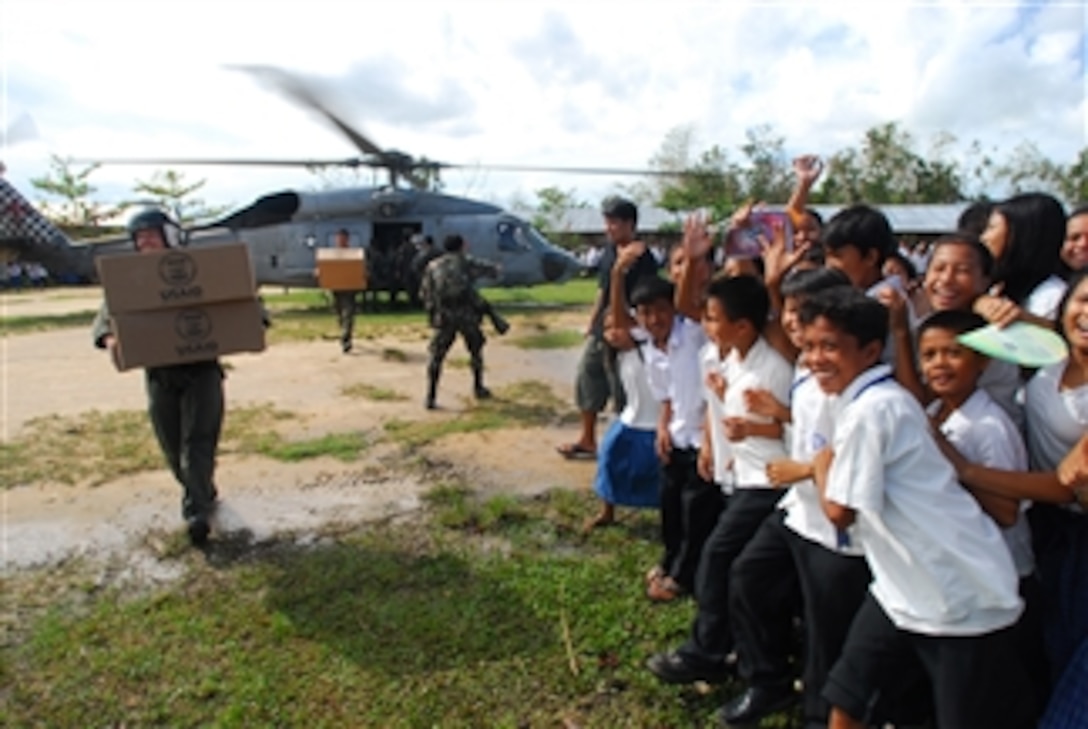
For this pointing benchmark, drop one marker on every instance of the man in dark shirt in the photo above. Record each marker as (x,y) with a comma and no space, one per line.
(596,381)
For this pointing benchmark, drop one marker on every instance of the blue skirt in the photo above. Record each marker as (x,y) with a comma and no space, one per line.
(628,472)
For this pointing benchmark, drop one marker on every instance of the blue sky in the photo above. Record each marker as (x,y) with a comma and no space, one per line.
(594,82)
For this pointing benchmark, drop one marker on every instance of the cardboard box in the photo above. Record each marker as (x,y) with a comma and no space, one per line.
(188,334)
(177,277)
(341,269)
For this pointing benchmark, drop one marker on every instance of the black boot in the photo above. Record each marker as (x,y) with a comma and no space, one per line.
(482,393)
(432,387)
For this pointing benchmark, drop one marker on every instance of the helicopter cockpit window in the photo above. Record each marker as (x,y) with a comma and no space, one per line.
(512,237)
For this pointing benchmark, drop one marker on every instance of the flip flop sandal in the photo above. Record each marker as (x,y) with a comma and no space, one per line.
(574,452)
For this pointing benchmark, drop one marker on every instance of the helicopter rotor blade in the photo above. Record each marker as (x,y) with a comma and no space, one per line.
(302,94)
(351,162)
(405,167)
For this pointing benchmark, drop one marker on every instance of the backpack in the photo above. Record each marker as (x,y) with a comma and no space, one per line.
(452,284)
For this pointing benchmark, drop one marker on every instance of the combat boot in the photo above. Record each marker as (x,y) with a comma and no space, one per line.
(432,389)
(482,393)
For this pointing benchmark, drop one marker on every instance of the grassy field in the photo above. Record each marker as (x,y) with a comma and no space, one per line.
(473,614)
(306,314)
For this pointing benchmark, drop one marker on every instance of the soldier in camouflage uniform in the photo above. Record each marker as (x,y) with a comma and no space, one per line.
(185,401)
(454,306)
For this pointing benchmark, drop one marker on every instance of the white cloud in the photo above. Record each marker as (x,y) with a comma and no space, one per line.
(560,83)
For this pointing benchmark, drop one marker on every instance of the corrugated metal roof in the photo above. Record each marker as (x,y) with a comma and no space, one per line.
(904,219)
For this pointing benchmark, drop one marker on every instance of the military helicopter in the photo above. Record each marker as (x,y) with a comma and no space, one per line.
(284,229)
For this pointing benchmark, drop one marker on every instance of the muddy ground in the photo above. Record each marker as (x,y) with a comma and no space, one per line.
(123,521)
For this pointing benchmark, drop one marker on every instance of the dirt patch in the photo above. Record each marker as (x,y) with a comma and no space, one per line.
(58,372)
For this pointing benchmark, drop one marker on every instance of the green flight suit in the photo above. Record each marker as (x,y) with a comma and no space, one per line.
(185,403)
(344,303)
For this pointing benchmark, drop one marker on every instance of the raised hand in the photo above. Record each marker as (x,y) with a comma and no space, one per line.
(808,167)
(697,241)
(778,258)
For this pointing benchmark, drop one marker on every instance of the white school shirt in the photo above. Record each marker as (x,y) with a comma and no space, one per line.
(939,564)
(811,431)
(674,375)
(762,368)
(642,408)
(710,360)
(1044,299)
(1057,418)
(982,431)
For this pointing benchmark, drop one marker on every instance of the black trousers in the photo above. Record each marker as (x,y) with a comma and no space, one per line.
(776,566)
(711,634)
(977,681)
(689,509)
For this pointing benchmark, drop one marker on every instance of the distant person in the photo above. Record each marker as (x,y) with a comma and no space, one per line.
(344,302)
(425,252)
(185,401)
(595,382)
(37,274)
(15,275)
(453,307)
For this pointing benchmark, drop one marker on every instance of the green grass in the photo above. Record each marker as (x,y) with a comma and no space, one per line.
(562,339)
(513,622)
(573,293)
(95,447)
(365,391)
(522,404)
(307,314)
(45,322)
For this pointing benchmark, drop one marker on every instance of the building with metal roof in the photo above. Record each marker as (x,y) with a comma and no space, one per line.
(918,220)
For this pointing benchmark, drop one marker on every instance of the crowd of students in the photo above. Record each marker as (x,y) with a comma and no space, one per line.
(826,453)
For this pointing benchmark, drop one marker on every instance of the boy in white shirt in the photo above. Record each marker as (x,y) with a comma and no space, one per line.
(795,549)
(734,317)
(944,588)
(983,433)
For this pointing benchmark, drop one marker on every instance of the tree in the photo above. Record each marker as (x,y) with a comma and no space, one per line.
(887,169)
(552,203)
(169,189)
(76,212)
(766,175)
(1073,183)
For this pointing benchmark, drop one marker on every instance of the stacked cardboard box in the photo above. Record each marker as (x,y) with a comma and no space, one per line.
(341,269)
(182,305)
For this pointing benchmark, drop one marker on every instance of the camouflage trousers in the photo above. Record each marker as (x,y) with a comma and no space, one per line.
(447,327)
(185,403)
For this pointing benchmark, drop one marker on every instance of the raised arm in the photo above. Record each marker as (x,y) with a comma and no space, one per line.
(807,168)
(695,271)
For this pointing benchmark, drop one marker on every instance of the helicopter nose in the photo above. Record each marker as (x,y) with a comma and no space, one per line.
(558,266)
